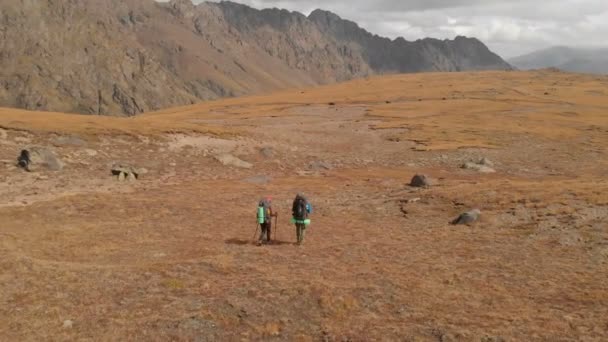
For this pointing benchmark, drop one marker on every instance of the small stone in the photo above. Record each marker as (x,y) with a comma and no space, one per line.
(121,177)
(68,323)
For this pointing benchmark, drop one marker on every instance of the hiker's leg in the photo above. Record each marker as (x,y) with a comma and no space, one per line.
(302,233)
(297,232)
(262,232)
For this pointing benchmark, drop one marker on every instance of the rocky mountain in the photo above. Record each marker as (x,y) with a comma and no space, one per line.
(124,57)
(592,61)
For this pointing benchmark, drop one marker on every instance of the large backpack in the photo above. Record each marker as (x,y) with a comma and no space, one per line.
(263,211)
(299,208)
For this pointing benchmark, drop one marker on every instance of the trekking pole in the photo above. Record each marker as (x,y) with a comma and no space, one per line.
(276,227)
(257,226)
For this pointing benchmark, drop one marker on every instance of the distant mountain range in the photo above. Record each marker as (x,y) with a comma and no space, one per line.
(124,57)
(594,61)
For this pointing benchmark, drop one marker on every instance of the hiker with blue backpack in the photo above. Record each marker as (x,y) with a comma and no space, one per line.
(301,209)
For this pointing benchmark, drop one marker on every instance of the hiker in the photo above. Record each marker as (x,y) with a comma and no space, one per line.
(265,215)
(301,209)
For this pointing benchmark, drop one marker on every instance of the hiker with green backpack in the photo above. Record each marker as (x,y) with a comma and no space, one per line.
(265,215)
(301,209)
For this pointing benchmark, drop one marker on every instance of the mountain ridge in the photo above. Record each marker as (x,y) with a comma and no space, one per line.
(128,57)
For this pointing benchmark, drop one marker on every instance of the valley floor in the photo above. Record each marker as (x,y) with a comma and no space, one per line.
(171,257)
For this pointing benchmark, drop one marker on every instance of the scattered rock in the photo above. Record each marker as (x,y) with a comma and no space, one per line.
(478,167)
(468,217)
(319,165)
(230,160)
(68,323)
(37,158)
(267,152)
(127,172)
(421,181)
(68,141)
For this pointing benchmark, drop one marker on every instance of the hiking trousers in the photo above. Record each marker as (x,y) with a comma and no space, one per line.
(266,231)
(300,229)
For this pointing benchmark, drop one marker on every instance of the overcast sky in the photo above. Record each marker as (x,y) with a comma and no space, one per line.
(508,27)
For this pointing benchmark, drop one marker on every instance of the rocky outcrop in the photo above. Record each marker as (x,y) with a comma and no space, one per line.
(125,57)
(34,159)
(126,172)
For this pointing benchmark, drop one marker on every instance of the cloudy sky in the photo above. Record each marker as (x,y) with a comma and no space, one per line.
(508,27)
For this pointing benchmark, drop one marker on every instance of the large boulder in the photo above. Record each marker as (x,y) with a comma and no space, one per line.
(36,158)
(421,181)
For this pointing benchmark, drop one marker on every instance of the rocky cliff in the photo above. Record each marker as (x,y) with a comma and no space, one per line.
(124,57)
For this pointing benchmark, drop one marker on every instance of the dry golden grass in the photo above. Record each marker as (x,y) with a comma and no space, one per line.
(171,258)
(440,111)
